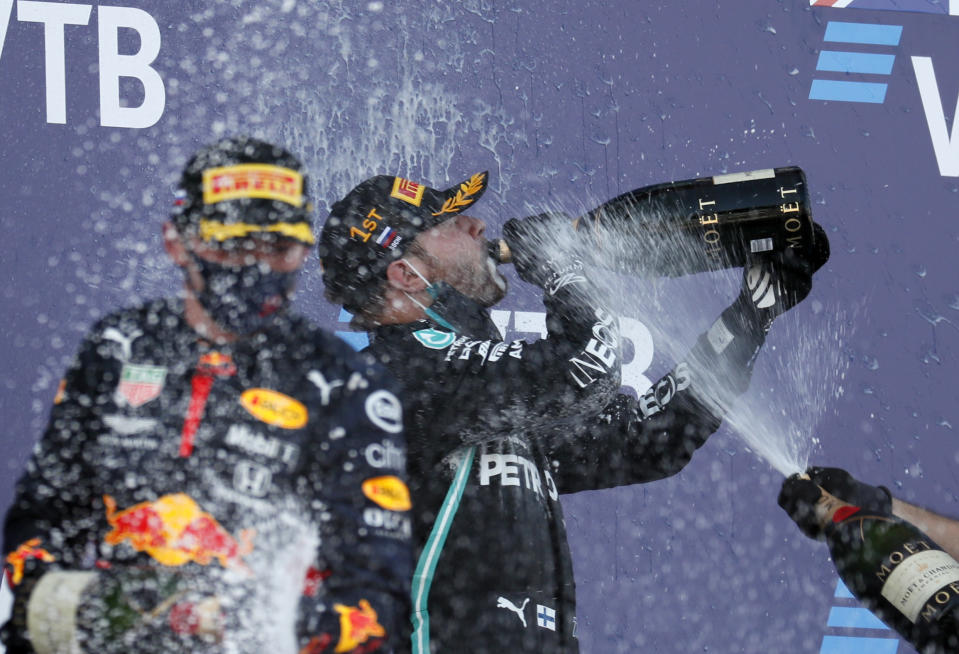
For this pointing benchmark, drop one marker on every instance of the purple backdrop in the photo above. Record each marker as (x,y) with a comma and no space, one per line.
(569,102)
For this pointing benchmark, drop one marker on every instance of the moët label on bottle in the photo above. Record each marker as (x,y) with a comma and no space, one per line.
(917,579)
(733,178)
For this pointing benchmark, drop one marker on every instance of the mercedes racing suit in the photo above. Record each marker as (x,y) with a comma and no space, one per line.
(265,476)
(497,431)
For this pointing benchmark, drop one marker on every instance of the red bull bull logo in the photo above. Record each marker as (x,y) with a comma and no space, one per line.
(216,364)
(358,624)
(174,530)
(18,558)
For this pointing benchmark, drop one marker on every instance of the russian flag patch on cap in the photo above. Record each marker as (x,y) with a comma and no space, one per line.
(386,237)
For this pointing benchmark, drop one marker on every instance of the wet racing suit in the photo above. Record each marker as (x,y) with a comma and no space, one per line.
(215,499)
(497,431)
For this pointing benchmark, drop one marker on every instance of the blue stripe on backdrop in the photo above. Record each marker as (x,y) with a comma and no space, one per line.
(854,617)
(857,645)
(855,62)
(863,33)
(843,591)
(850,616)
(827,89)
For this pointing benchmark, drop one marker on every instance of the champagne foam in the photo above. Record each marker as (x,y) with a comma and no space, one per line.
(799,371)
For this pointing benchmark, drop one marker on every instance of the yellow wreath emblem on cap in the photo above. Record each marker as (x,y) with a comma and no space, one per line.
(464,196)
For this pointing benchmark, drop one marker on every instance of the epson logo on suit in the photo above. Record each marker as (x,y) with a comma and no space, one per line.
(58,17)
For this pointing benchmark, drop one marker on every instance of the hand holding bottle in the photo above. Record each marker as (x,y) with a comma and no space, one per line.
(846,487)
(893,568)
(539,246)
(810,507)
(776,283)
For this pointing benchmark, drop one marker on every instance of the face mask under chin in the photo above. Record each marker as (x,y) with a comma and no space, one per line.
(243,299)
(453,310)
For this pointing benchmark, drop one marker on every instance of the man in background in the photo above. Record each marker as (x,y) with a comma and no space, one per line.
(213,476)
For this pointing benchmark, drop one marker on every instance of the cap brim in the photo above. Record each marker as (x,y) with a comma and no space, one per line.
(214,230)
(461,197)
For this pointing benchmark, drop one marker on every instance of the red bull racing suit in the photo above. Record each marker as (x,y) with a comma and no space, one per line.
(257,487)
(498,430)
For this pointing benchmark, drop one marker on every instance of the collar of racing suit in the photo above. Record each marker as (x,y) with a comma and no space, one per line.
(474,321)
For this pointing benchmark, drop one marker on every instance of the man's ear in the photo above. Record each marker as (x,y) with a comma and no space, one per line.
(174,245)
(400,275)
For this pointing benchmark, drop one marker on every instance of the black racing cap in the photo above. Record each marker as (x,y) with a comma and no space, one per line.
(375,224)
(241,186)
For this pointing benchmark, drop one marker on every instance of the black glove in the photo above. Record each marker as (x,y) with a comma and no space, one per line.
(774,285)
(838,482)
(542,250)
(798,498)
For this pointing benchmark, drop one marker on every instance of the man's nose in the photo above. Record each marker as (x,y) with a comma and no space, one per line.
(473,226)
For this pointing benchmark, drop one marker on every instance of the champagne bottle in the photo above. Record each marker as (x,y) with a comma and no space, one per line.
(898,573)
(697,225)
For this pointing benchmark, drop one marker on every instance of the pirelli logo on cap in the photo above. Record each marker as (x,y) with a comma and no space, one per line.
(404,189)
(253,181)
